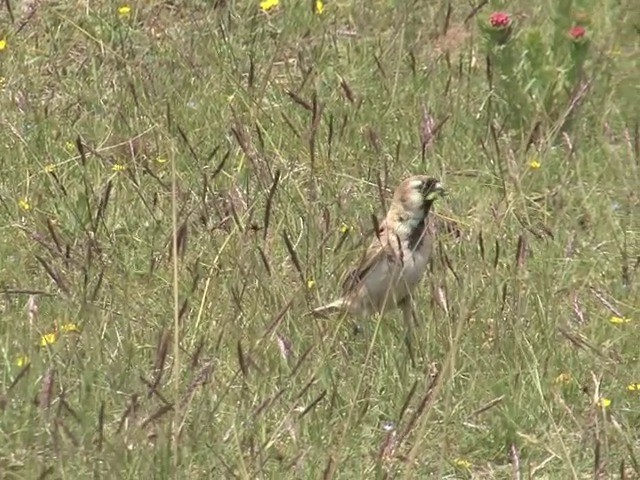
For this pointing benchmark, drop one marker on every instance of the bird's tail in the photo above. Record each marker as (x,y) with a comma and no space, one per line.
(330,308)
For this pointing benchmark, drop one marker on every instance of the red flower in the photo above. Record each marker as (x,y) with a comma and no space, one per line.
(577,32)
(500,20)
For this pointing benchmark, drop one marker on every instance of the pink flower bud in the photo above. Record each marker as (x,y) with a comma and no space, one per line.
(500,20)
(577,32)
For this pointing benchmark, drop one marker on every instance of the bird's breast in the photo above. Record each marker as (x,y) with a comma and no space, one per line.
(415,264)
(391,281)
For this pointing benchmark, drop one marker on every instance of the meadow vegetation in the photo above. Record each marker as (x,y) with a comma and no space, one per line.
(182,182)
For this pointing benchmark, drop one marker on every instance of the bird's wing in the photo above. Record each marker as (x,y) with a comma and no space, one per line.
(379,249)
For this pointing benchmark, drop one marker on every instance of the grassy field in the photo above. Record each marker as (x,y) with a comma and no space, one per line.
(181,185)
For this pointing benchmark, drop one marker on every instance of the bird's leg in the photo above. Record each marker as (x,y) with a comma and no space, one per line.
(407,315)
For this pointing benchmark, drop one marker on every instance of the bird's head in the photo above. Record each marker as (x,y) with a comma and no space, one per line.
(414,197)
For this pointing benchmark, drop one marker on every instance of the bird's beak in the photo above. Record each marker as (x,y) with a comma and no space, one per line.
(437,191)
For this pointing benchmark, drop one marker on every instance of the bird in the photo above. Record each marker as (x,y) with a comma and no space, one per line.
(396,261)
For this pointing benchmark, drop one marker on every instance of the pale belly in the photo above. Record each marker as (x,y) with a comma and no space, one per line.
(391,282)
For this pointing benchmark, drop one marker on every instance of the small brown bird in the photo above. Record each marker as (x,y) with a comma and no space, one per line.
(397,258)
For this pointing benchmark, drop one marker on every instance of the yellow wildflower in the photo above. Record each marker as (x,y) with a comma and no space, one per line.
(70,146)
(48,339)
(3,44)
(70,327)
(24,204)
(118,167)
(3,81)
(124,11)
(563,378)
(633,387)
(462,463)
(344,228)
(604,402)
(161,160)
(311,283)
(319,7)
(534,164)
(22,361)
(267,5)
(49,168)
(619,320)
